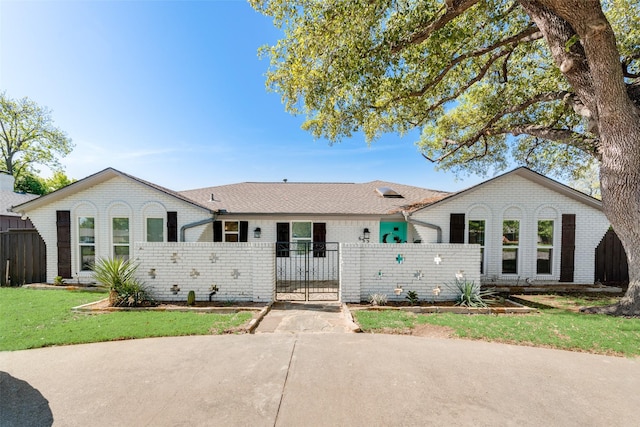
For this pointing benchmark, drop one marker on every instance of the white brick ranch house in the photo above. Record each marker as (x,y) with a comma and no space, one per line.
(515,226)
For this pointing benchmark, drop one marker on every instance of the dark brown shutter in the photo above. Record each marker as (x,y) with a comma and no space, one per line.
(217,231)
(63,225)
(567,250)
(456,228)
(244,231)
(172,226)
(282,239)
(319,239)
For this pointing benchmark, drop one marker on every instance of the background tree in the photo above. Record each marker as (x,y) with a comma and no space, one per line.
(28,137)
(58,180)
(29,182)
(552,84)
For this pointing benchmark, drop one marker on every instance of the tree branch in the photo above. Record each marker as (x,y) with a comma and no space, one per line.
(527,35)
(454,8)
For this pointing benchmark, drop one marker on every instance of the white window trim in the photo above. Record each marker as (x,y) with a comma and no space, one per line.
(483,260)
(552,247)
(113,244)
(146,228)
(301,239)
(225,232)
(518,248)
(81,244)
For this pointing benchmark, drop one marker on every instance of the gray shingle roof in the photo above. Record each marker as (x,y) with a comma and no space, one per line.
(312,198)
(9,199)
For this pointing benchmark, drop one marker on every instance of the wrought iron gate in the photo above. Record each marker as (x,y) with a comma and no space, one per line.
(307,271)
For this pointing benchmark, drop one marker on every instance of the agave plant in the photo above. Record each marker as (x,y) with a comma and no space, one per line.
(469,293)
(118,275)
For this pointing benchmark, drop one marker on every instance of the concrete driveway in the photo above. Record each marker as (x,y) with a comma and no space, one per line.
(315,379)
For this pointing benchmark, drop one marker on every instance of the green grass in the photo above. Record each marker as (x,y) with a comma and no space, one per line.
(552,328)
(40,318)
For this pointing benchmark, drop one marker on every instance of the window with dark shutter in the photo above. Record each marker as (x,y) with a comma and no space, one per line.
(63,225)
(282,239)
(456,228)
(244,231)
(319,237)
(172,226)
(217,231)
(568,247)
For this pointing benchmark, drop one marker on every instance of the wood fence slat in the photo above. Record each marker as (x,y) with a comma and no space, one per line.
(25,252)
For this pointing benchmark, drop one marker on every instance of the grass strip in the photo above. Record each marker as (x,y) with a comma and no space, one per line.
(40,318)
(551,328)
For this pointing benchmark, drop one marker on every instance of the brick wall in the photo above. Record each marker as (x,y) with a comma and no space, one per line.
(380,268)
(241,271)
(246,271)
(515,197)
(118,196)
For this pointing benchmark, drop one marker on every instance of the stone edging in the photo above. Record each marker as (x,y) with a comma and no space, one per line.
(520,309)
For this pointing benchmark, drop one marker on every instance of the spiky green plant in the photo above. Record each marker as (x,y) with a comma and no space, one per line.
(412,296)
(118,275)
(469,294)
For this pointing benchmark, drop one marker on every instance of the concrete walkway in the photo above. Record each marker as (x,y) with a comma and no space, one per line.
(315,379)
(295,317)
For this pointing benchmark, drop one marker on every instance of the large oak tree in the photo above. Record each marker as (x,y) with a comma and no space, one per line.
(28,137)
(553,84)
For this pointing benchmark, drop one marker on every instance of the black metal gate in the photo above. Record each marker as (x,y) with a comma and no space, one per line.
(307,271)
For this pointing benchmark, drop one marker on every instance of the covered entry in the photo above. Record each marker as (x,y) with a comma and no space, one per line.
(307,271)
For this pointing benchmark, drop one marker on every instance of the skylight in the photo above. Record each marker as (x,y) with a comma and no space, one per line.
(388,193)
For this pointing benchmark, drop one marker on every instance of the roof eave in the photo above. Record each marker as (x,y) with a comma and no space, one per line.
(90,181)
(534,177)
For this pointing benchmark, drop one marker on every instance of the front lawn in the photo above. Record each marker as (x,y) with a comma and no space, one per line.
(40,318)
(554,328)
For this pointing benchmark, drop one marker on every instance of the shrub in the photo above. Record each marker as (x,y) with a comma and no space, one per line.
(470,294)
(378,299)
(412,296)
(58,281)
(191,298)
(118,275)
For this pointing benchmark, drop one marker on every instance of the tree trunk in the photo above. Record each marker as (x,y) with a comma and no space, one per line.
(620,182)
(595,73)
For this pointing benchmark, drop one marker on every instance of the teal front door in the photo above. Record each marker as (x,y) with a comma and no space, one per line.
(393,232)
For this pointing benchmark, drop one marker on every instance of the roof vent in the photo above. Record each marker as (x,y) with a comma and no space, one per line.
(389,193)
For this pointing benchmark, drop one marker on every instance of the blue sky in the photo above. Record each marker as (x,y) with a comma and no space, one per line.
(173,92)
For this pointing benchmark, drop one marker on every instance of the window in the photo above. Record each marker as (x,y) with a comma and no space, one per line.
(231,231)
(476,236)
(510,243)
(301,239)
(120,236)
(545,247)
(155,230)
(87,242)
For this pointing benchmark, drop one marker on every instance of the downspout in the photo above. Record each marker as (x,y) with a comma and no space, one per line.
(196,224)
(407,217)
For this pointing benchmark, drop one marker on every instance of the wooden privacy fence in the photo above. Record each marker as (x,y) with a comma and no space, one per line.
(23,257)
(611,261)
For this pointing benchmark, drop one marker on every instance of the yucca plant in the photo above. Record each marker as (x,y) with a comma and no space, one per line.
(469,293)
(118,275)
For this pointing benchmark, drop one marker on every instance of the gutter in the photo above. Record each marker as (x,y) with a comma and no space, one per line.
(196,224)
(407,217)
